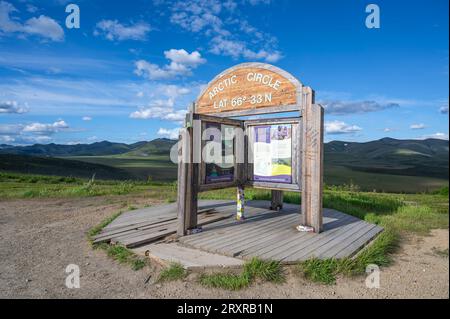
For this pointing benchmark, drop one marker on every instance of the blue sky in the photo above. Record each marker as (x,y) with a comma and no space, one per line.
(132,68)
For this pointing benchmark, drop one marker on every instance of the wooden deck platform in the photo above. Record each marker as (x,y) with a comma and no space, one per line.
(265,233)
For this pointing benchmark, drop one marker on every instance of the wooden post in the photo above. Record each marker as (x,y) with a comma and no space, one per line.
(312,161)
(182,179)
(276,200)
(187,179)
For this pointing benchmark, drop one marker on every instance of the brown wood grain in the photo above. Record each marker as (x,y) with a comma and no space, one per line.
(284,93)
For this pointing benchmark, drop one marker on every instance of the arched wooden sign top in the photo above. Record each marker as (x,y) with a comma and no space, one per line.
(250,87)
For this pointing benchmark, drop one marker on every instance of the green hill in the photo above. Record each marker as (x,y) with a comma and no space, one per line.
(384,165)
(155,147)
(390,156)
(160,146)
(59,167)
(54,150)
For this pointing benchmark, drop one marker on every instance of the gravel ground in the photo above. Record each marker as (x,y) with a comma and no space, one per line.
(40,237)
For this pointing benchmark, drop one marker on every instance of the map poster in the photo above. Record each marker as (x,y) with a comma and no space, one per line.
(272,153)
(223,171)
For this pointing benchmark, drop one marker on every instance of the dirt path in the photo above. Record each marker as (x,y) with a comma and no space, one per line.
(41,237)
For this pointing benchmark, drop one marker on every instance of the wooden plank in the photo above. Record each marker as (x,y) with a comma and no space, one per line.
(281,235)
(276,186)
(244,234)
(214,186)
(149,237)
(263,235)
(191,203)
(328,241)
(317,241)
(284,245)
(137,223)
(355,246)
(312,162)
(344,242)
(266,110)
(235,231)
(233,226)
(216,119)
(105,237)
(183,154)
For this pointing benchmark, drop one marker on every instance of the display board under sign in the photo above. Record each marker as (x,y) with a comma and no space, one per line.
(272,153)
(248,87)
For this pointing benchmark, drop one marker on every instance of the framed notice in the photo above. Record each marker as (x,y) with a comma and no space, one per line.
(219,144)
(272,153)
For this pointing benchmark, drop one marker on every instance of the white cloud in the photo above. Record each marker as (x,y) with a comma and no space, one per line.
(163,108)
(235,49)
(31,133)
(339,127)
(42,26)
(4,139)
(444,109)
(181,64)
(351,107)
(169,133)
(87,118)
(31,8)
(12,107)
(46,129)
(256,2)
(439,135)
(160,109)
(229,32)
(419,126)
(115,31)
(193,59)
(173,91)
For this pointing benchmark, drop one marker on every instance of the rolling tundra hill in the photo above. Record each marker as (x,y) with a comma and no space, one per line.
(95,149)
(382,165)
(390,156)
(60,167)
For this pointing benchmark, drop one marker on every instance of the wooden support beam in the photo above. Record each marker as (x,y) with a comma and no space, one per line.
(312,161)
(187,179)
(276,202)
(182,180)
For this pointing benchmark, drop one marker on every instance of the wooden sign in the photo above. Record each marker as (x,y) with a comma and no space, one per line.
(282,154)
(249,86)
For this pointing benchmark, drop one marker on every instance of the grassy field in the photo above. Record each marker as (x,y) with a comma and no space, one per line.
(160,168)
(13,185)
(369,181)
(154,167)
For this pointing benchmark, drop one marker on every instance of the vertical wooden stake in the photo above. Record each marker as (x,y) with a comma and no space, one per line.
(182,179)
(312,162)
(240,203)
(277,200)
(187,180)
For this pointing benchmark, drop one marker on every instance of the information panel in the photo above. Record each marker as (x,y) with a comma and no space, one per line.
(220,167)
(272,153)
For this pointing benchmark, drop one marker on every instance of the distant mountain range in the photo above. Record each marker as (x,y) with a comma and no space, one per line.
(158,146)
(390,156)
(386,164)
